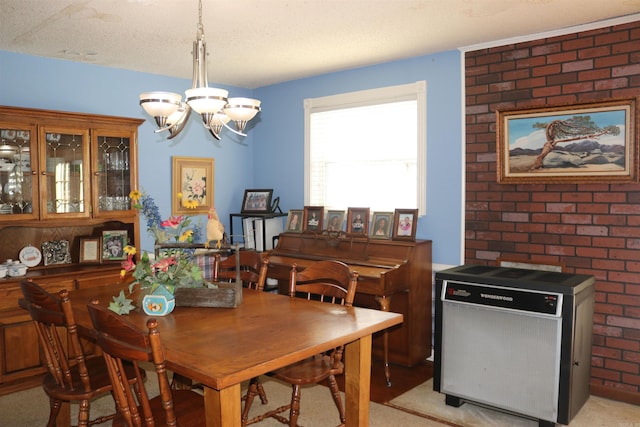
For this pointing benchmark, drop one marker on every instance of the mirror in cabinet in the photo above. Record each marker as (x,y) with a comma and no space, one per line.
(16,173)
(114,178)
(64,185)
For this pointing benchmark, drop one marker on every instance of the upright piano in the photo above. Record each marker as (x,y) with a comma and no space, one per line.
(393,276)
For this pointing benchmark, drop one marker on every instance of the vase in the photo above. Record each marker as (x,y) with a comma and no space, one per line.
(159,303)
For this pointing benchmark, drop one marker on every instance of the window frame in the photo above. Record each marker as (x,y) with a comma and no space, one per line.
(413,91)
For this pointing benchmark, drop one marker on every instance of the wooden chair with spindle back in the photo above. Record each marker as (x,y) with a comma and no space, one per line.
(330,282)
(71,377)
(123,342)
(253,269)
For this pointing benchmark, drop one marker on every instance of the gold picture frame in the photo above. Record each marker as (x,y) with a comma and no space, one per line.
(589,142)
(90,250)
(192,184)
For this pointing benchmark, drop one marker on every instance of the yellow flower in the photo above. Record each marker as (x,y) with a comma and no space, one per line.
(123,273)
(185,236)
(129,250)
(179,195)
(135,196)
(190,204)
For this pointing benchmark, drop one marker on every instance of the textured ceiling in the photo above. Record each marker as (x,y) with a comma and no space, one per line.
(253,43)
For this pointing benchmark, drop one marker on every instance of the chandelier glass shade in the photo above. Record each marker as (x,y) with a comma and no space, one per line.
(212,104)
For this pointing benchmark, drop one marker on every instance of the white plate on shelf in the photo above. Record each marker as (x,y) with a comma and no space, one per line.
(30,256)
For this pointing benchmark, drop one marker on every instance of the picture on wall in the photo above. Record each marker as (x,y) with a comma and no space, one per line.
(192,187)
(593,142)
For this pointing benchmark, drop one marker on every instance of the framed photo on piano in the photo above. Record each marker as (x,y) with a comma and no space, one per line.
(405,222)
(358,220)
(381,225)
(313,218)
(294,221)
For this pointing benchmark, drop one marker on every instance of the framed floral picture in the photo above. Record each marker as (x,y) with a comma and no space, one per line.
(313,216)
(358,220)
(192,185)
(381,225)
(405,222)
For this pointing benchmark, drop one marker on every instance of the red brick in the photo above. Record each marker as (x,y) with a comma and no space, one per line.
(617,365)
(625,70)
(586,64)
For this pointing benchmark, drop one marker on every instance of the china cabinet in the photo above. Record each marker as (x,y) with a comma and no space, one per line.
(63,176)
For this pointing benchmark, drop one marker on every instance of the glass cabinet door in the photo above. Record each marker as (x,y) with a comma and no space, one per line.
(16,174)
(64,162)
(113,173)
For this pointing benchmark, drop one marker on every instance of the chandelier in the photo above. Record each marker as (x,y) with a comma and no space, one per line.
(216,109)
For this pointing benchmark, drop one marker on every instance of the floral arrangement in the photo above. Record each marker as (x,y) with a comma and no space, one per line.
(172,268)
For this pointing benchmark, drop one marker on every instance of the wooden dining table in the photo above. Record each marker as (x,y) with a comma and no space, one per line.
(222,347)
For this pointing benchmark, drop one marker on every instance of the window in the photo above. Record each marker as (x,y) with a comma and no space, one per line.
(367,149)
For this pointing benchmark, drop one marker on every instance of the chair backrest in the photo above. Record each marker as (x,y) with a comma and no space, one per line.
(120,342)
(58,334)
(327,281)
(253,269)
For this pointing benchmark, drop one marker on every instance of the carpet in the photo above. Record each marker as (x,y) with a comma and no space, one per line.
(30,408)
(596,412)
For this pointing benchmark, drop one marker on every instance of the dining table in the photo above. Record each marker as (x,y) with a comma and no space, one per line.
(221,348)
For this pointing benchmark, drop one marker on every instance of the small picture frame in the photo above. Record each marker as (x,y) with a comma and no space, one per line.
(335,220)
(295,221)
(113,243)
(257,201)
(358,221)
(90,250)
(381,223)
(56,252)
(405,222)
(313,216)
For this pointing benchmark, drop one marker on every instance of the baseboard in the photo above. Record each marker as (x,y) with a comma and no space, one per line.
(615,394)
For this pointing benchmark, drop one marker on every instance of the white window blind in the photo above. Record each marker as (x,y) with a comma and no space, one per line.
(367,149)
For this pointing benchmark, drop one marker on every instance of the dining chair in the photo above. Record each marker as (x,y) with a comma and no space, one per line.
(253,274)
(330,282)
(253,269)
(123,342)
(71,376)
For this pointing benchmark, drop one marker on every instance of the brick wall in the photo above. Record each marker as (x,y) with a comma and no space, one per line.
(591,228)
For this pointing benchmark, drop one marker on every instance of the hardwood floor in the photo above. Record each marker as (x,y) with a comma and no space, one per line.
(402,380)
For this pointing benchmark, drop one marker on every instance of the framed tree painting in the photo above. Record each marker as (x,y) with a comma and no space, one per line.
(591,142)
(192,185)
(405,222)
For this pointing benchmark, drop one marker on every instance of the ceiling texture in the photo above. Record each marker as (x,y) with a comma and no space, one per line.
(254,43)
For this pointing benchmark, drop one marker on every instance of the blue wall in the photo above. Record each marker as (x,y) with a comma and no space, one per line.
(272,155)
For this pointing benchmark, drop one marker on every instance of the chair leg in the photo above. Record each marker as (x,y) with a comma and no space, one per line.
(335,392)
(83,413)
(261,393)
(294,411)
(54,406)
(251,394)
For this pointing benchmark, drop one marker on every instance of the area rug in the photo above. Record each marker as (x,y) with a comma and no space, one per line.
(596,412)
(30,408)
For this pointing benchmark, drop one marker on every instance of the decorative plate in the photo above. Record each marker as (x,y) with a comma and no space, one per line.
(56,252)
(30,256)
